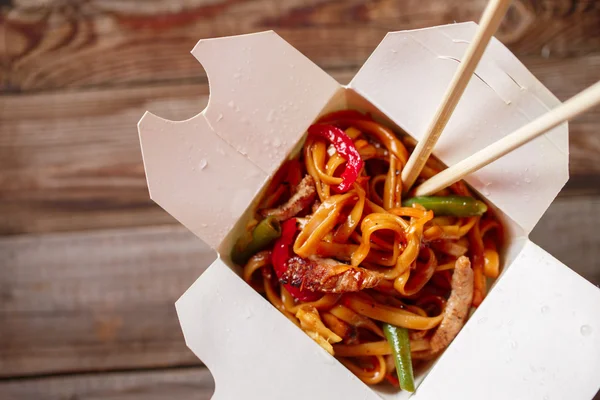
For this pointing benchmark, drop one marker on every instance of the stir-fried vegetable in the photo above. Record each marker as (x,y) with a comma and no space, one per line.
(345,148)
(263,234)
(455,206)
(400,343)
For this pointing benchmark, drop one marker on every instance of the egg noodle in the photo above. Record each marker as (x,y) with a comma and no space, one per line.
(362,258)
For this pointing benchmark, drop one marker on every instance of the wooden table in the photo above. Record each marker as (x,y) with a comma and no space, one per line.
(90,267)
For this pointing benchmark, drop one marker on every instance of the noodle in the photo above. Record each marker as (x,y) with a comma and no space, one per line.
(359,258)
(381,348)
(370,376)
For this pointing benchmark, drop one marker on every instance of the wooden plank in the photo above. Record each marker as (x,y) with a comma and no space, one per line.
(95,301)
(186,384)
(71,161)
(104,300)
(80,44)
(568,232)
(180,384)
(75,159)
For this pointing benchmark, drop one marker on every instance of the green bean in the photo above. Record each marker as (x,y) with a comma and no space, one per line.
(400,344)
(454,206)
(263,234)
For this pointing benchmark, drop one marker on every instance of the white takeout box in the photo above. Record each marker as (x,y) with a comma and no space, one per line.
(537,333)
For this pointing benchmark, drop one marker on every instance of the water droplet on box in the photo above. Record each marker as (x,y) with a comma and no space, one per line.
(204,225)
(202,164)
(586,330)
(532,368)
(482,320)
(231,104)
(270,116)
(513,344)
(545,309)
(237,75)
(219,117)
(276,142)
(527,180)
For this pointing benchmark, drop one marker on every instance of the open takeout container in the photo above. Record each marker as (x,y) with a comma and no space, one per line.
(537,333)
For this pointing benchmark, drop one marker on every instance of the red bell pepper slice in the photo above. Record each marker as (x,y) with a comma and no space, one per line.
(345,148)
(282,252)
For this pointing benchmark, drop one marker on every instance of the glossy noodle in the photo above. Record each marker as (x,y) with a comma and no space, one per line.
(347,252)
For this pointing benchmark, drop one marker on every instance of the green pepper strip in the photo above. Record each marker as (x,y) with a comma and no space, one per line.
(453,206)
(263,234)
(400,344)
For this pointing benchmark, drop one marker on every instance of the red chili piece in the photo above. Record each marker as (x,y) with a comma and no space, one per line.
(282,252)
(345,148)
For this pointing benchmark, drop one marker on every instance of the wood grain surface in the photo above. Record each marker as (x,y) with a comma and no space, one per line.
(96,301)
(177,384)
(90,267)
(102,300)
(114,42)
(71,161)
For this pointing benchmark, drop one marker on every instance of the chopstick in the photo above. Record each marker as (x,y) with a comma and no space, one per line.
(571,108)
(490,20)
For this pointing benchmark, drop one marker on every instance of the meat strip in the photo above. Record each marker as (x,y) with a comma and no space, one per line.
(457,307)
(304,195)
(327,275)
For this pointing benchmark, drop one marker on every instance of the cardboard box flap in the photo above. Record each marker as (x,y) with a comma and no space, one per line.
(264,94)
(539,325)
(536,336)
(196,176)
(252,350)
(406,77)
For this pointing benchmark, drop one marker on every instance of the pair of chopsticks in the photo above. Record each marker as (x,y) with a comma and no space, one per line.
(490,21)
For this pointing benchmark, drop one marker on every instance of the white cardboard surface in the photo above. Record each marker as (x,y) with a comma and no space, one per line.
(277,360)
(256,353)
(267,94)
(536,336)
(197,177)
(406,77)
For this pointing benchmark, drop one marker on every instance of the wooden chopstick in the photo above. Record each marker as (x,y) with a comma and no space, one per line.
(490,20)
(571,108)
